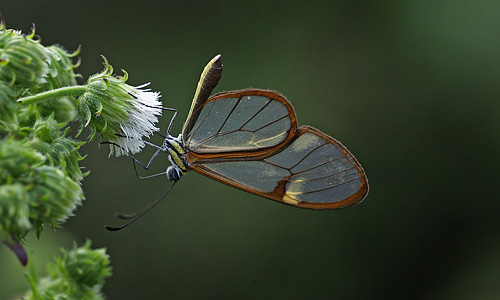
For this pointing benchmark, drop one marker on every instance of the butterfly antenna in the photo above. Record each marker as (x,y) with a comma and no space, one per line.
(139,214)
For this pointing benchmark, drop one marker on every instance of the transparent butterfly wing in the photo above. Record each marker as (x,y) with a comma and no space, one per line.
(313,171)
(242,124)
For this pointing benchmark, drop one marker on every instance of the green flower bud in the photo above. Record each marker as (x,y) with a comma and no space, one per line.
(61,68)
(61,74)
(23,61)
(122,113)
(32,193)
(79,274)
(86,267)
(47,137)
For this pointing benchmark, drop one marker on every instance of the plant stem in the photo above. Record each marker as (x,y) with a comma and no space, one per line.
(76,90)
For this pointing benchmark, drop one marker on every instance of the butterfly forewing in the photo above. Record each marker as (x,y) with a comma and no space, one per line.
(245,122)
(313,171)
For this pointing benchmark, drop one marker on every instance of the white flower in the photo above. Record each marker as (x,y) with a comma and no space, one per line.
(119,112)
(144,109)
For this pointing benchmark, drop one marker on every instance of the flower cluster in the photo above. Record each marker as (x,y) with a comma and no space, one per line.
(78,274)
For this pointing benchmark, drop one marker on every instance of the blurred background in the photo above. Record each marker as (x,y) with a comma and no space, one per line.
(412,88)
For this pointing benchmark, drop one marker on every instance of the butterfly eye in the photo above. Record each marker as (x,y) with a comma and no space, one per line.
(174,173)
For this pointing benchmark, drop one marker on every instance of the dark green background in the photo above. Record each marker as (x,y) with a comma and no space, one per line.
(411,87)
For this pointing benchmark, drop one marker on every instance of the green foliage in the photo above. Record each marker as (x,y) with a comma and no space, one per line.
(40,176)
(47,137)
(31,192)
(39,172)
(77,274)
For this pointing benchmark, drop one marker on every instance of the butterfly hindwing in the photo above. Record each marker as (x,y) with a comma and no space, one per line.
(313,171)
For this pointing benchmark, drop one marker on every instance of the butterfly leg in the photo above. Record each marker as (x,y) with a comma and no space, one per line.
(135,162)
(171,120)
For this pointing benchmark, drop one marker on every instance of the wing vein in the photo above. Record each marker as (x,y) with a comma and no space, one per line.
(302,159)
(229,115)
(258,112)
(320,190)
(268,124)
(327,162)
(323,177)
(193,132)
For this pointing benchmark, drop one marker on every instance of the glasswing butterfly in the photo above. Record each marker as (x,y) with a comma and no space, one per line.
(249,139)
